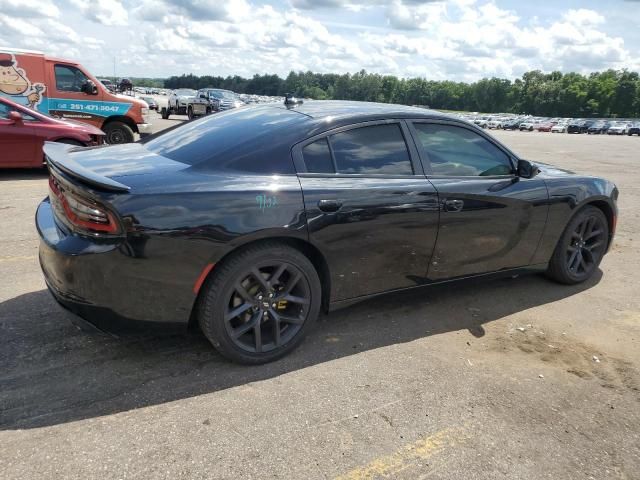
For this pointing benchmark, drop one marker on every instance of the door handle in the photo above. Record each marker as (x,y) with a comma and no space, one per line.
(453,205)
(329,205)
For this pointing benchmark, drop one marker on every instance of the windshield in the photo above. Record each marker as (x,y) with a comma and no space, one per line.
(185,92)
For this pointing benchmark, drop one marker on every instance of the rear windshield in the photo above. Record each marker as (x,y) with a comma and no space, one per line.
(252,139)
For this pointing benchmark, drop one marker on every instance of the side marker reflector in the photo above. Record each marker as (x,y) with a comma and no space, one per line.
(203,275)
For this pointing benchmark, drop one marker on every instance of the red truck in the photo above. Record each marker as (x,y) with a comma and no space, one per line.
(64,88)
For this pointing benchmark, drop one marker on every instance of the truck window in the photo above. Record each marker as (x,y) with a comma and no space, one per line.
(69,79)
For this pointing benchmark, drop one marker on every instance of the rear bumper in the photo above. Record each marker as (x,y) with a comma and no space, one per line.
(145,128)
(102,283)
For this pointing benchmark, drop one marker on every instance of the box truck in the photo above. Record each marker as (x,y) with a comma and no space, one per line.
(64,88)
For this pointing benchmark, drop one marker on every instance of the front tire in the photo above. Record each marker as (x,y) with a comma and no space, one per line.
(190,113)
(580,248)
(117,133)
(260,303)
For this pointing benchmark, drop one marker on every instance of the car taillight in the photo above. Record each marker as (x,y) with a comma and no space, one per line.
(80,212)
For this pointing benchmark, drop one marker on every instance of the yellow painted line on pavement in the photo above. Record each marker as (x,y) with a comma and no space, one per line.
(390,466)
(18,258)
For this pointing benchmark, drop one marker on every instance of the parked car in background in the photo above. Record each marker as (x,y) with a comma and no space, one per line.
(151,102)
(221,100)
(619,128)
(598,128)
(528,126)
(635,129)
(178,101)
(481,122)
(511,124)
(494,124)
(544,126)
(216,224)
(560,127)
(23,132)
(64,88)
(578,126)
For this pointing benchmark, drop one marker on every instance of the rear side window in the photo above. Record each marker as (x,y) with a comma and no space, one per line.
(317,157)
(250,140)
(378,149)
(457,151)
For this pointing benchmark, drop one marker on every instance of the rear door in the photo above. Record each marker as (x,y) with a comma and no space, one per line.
(369,207)
(17,142)
(491,219)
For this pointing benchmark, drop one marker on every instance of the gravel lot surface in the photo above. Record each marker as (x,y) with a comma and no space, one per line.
(475,380)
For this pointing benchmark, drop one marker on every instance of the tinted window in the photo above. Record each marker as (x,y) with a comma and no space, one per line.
(377,149)
(456,151)
(254,140)
(4,110)
(317,157)
(69,79)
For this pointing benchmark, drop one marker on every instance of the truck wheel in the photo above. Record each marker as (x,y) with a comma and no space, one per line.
(259,303)
(164,113)
(190,113)
(118,132)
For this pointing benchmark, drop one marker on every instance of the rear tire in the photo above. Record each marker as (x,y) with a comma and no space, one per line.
(260,303)
(164,113)
(580,248)
(117,133)
(190,113)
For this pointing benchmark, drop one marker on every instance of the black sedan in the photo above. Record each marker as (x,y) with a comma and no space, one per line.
(634,130)
(250,222)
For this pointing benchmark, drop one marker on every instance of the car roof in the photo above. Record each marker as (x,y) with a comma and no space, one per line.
(353,110)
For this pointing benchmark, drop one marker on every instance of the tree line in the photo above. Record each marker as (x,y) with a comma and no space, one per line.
(611,93)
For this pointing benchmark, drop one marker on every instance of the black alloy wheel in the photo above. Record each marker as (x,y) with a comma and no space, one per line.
(260,303)
(586,246)
(581,247)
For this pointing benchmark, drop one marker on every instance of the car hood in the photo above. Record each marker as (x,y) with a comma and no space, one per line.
(75,125)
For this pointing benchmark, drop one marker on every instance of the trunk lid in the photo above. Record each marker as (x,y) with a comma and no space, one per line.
(108,167)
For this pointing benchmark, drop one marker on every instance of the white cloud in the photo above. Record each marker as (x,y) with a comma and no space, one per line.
(106,12)
(29,8)
(456,39)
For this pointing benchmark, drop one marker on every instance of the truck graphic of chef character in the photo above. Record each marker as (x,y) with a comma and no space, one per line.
(15,83)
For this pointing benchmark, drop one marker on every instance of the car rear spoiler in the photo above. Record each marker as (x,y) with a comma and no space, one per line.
(57,155)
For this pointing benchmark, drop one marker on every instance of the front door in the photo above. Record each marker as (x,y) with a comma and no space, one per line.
(369,208)
(17,143)
(67,100)
(490,219)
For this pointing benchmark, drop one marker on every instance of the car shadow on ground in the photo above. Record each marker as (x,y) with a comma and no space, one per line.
(53,373)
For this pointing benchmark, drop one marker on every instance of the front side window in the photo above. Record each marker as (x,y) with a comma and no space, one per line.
(69,79)
(378,149)
(457,151)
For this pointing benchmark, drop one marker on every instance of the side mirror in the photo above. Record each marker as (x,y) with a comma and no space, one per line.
(89,88)
(526,169)
(202,95)
(15,117)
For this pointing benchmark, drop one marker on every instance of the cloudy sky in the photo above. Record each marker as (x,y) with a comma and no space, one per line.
(457,39)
